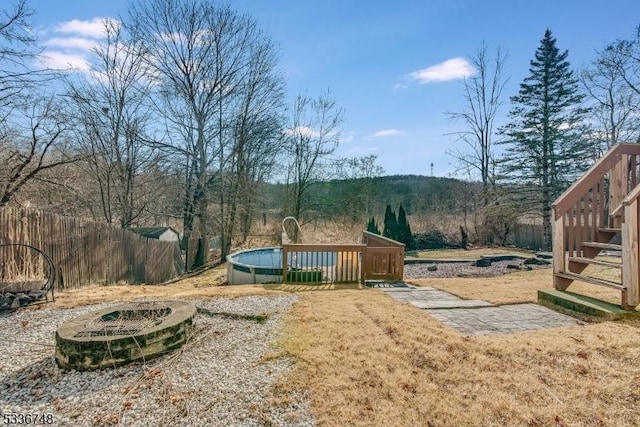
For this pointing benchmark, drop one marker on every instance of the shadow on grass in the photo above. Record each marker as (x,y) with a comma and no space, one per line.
(309,288)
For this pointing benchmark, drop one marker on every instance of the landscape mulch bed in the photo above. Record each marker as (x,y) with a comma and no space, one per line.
(458,269)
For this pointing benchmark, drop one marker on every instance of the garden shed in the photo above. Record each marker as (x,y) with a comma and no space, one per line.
(166,234)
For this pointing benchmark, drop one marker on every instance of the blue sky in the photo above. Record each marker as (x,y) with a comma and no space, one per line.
(375,57)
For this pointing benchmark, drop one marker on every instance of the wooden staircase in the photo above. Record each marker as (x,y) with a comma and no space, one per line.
(599,215)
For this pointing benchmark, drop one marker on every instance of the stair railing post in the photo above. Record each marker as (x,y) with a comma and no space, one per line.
(618,188)
(630,253)
(558,249)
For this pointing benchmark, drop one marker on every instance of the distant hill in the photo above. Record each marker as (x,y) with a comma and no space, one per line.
(369,196)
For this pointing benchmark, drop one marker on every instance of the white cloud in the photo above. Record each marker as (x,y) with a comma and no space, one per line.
(71,43)
(385,133)
(349,137)
(70,48)
(91,28)
(302,131)
(177,38)
(60,61)
(400,86)
(451,69)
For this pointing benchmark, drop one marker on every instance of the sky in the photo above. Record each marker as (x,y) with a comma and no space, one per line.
(395,67)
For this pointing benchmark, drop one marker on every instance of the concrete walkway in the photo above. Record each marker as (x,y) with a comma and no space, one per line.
(475,317)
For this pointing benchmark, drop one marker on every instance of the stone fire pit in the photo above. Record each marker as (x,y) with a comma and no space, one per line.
(125,333)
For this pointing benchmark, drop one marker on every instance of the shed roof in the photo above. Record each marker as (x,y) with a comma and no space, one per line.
(153,232)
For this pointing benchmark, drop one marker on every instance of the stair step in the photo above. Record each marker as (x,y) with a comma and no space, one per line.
(609,246)
(582,260)
(582,305)
(591,280)
(610,230)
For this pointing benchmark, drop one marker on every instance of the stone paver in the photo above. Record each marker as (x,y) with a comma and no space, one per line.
(422,294)
(475,317)
(460,303)
(503,319)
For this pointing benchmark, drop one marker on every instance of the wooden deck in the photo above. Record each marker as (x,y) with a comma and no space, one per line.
(377,258)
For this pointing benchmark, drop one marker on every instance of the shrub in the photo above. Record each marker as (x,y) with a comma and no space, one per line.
(498,223)
(433,239)
(404,230)
(372,227)
(390,224)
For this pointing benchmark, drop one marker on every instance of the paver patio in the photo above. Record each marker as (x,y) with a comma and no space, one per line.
(475,317)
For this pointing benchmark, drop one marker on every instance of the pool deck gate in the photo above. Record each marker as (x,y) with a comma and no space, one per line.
(377,258)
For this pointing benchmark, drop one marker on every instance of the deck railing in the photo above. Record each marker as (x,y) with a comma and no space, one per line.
(303,263)
(378,258)
(383,259)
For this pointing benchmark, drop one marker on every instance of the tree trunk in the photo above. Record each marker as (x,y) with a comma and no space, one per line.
(546,218)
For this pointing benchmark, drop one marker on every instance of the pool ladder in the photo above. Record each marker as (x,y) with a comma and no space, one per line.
(285,236)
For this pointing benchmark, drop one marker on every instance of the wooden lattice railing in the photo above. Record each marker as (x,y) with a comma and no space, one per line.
(600,205)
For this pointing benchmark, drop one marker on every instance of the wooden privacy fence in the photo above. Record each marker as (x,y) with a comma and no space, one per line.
(378,258)
(85,252)
(527,236)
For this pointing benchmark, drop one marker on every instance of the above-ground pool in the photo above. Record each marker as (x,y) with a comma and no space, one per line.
(264,265)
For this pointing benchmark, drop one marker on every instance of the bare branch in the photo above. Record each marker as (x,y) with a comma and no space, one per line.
(483,95)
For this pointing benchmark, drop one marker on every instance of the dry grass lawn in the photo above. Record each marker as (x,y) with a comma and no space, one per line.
(370,360)
(367,359)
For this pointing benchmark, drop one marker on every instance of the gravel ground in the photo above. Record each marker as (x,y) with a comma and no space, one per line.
(454,269)
(224,377)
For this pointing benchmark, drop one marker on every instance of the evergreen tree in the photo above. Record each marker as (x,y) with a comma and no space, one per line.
(390,224)
(372,227)
(545,146)
(404,230)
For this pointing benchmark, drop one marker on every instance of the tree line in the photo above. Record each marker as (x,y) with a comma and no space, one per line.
(560,121)
(182,117)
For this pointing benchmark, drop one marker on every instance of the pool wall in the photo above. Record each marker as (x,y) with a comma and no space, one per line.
(252,266)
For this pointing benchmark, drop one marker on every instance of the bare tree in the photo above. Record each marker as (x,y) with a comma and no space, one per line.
(195,49)
(113,112)
(34,143)
(18,50)
(616,104)
(256,133)
(312,136)
(483,99)
(627,59)
(32,127)
(205,60)
(360,191)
